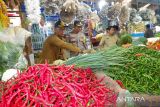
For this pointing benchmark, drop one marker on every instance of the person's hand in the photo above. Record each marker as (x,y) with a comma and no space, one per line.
(89,51)
(85,51)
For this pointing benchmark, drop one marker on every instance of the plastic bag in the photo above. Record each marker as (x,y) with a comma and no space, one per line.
(8,74)
(15,35)
(22,63)
(21,34)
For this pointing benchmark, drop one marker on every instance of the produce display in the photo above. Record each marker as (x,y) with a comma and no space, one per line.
(125,39)
(139,27)
(4,20)
(142,73)
(137,67)
(98,61)
(56,86)
(157,34)
(95,79)
(141,40)
(154,45)
(9,55)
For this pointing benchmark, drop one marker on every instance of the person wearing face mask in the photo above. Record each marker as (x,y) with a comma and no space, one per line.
(110,38)
(54,45)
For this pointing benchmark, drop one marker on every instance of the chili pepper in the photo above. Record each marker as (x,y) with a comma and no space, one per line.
(70,87)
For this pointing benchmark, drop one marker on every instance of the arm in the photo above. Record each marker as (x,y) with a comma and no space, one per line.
(27,50)
(60,43)
(102,42)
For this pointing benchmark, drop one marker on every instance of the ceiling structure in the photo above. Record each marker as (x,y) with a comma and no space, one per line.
(147,1)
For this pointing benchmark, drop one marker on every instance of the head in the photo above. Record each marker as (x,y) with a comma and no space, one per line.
(111,30)
(77,26)
(59,28)
(42,21)
(148,26)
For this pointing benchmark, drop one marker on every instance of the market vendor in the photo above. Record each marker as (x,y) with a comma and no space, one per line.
(110,38)
(54,45)
(149,32)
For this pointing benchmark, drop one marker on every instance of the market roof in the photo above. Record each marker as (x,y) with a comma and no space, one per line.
(147,1)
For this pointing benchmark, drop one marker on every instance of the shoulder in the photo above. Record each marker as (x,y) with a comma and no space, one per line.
(105,36)
(52,38)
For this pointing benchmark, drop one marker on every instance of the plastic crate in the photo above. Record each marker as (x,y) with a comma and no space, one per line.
(140,34)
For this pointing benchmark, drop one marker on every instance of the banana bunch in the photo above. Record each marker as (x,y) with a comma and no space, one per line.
(4,19)
(3,7)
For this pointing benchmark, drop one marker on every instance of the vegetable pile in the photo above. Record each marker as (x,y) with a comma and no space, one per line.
(99,61)
(155,45)
(141,40)
(125,39)
(157,34)
(56,86)
(142,73)
(9,55)
(137,67)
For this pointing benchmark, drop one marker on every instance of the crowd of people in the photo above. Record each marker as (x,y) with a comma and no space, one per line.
(59,46)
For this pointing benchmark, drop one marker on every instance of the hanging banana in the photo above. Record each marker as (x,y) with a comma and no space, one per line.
(4,19)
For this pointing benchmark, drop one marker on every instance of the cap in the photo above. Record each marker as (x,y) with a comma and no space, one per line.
(59,24)
(77,23)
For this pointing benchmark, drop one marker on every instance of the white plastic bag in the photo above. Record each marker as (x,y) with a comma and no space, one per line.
(15,35)
(22,63)
(10,73)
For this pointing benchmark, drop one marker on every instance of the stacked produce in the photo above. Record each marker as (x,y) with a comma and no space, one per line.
(4,20)
(154,45)
(125,39)
(137,67)
(9,55)
(137,27)
(142,73)
(141,40)
(157,34)
(99,61)
(56,86)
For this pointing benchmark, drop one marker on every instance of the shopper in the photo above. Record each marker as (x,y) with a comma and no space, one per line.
(43,27)
(77,38)
(148,33)
(110,38)
(54,45)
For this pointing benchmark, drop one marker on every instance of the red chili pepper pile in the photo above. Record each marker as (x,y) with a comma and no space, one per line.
(56,86)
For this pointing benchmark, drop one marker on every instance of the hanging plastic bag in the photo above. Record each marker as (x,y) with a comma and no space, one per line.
(22,63)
